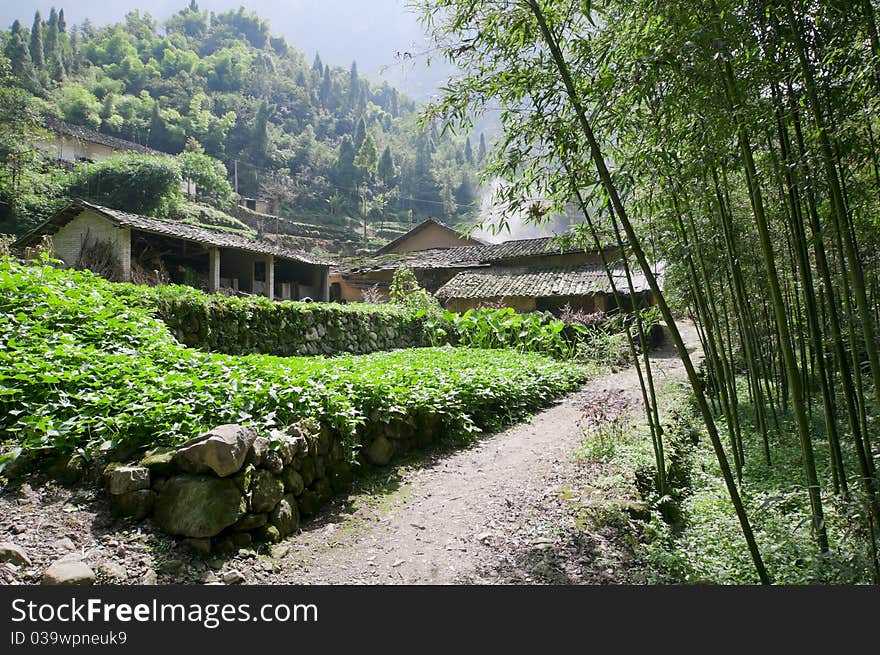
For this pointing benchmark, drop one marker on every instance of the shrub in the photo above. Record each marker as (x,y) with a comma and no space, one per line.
(140,184)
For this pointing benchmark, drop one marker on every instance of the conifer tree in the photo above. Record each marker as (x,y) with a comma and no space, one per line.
(326,88)
(385,168)
(360,133)
(36,45)
(353,85)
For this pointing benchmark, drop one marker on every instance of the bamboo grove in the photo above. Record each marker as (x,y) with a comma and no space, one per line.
(738,141)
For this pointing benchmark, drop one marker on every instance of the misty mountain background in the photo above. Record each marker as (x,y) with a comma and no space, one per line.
(372,32)
(384,37)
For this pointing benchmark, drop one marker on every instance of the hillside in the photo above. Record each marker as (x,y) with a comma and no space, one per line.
(322,142)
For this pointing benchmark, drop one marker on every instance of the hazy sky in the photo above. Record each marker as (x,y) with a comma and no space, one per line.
(369,31)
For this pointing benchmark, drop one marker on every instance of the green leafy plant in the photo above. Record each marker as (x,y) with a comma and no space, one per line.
(84,364)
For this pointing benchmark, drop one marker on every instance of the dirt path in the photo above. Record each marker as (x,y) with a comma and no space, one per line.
(497,512)
(482,515)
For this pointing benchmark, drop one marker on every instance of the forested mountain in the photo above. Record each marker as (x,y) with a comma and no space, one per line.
(324,141)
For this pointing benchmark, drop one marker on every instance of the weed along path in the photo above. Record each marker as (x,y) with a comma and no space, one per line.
(492,513)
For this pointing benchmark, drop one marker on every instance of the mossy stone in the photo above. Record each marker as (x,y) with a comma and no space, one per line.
(198,505)
(159,461)
(266,491)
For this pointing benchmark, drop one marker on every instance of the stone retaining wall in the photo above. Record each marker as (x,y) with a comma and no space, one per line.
(231,487)
(241,326)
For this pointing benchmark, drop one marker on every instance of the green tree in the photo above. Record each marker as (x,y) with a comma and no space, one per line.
(345,172)
(326,88)
(20,129)
(18,54)
(353,85)
(79,106)
(465,196)
(468,151)
(367,157)
(385,168)
(209,175)
(360,133)
(260,135)
(51,45)
(36,45)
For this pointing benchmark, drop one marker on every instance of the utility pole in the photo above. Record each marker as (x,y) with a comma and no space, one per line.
(235,175)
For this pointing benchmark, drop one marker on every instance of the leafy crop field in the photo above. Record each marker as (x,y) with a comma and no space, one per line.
(84,368)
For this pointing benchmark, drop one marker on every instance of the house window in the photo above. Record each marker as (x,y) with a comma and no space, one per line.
(259,271)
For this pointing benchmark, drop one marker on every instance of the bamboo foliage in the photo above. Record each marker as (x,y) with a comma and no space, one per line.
(738,140)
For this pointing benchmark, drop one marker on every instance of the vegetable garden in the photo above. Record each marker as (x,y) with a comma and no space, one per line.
(85,369)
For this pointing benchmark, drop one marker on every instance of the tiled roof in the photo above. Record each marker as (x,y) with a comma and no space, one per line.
(462,257)
(196,234)
(500,282)
(388,247)
(86,134)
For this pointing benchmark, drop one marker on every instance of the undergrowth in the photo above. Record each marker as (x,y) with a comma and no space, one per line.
(700,540)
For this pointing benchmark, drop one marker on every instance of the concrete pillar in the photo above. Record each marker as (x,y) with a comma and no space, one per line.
(214,270)
(321,283)
(270,276)
(124,245)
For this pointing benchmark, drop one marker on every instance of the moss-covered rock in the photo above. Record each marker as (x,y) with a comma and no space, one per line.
(159,461)
(266,491)
(293,481)
(285,516)
(198,506)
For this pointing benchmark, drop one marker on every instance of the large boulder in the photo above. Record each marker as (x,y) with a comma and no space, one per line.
(159,460)
(198,506)
(223,450)
(379,452)
(293,481)
(290,442)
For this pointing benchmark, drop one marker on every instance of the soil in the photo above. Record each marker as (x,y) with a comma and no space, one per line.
(507,510)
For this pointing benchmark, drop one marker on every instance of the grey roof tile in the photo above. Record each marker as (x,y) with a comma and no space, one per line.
(462,257)
(500,282)
(185,231)
(87,134)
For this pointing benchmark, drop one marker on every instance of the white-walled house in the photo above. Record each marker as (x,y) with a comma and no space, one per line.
(225,260)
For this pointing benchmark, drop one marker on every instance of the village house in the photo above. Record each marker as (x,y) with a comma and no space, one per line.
(428,235)
(218,260)
(73,144)
(527,274)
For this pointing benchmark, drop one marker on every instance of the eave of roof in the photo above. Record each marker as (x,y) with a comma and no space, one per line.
(87,134)
(183,231)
